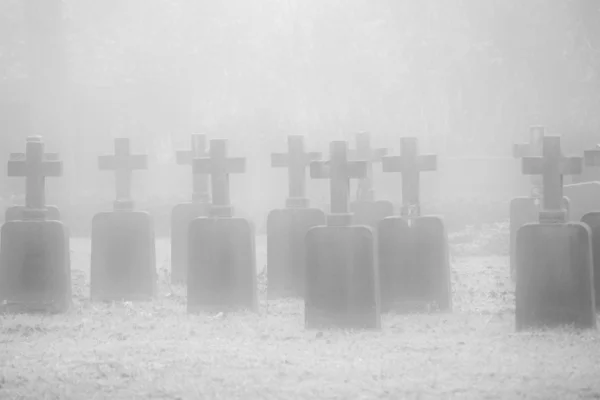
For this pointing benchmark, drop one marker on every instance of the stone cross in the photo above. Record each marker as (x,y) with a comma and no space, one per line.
(123,163)
(35,166)
(364,152)
(532,149)
(339,171)
(218,166)
(295,160)
(200,192)
(552,166)
(410,164)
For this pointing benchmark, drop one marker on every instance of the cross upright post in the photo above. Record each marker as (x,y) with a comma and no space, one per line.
(552,166)
(339,171)
(219,166)
(200,193)
(364,152)
(123,163)
(533,148)
(35,166)
(410,164)
(295,160)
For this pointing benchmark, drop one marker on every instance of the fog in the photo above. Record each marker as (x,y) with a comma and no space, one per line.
(467,78)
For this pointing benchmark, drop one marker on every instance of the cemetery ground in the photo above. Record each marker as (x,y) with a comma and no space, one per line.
(156,350)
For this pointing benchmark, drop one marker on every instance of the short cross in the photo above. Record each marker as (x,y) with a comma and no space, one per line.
(410,164)
(364,152)
(339,171)
(35,166)
(218,166)
(552,166)
(296,160)
(123,163)
(199,181)
(532,149)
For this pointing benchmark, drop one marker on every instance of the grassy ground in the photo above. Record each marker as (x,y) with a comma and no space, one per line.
(156,351)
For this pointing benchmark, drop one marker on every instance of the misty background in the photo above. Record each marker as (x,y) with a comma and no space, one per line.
(468,77)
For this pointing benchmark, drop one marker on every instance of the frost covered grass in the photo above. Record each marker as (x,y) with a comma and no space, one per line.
(156,351)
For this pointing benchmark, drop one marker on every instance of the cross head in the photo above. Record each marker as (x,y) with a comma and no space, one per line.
(35,166)
(552,166)
(186,157)
(295,160)
(123,163)
(410,164)
(339,171)
(219,166)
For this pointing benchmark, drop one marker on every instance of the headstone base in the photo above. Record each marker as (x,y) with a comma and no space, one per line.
(414,264)
(123,264)
(35,270)
(342,279)
(222,265)
(181,217)
(286,249)
(554,276)
(15,213)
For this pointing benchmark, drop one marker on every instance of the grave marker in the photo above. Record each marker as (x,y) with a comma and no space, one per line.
(222,253)
(592,219)
(286,228)
(367,210)
(342,279)
(35,270)
(525,210)
(184,213)
(123,266)
(554,257)
(414,262)
(15,213)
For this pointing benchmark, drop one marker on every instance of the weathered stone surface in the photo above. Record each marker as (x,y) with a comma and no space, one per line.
(15,213)
(342,278)
(370,213)
(584,197)
(414,264)
(554,276)
(592,220)
(222,265)
(35,271)
(123,264)
(181,217)
(286,249)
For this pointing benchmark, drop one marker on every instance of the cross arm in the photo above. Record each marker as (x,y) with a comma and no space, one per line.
(592,158)
(22,168)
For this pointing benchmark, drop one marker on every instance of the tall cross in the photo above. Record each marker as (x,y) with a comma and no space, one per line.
(339,171)
(410,164)
(364,152)
(123,163)
(295,160)
(552,166)
(35,166)
(199,181)
(218,166)
(532,149)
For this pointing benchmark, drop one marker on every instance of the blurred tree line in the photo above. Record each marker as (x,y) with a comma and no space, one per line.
(466,76)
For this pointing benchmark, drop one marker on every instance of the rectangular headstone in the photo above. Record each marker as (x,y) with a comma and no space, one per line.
(554,276)
(35,271)
(222,265)
(342,279)
(123,264)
